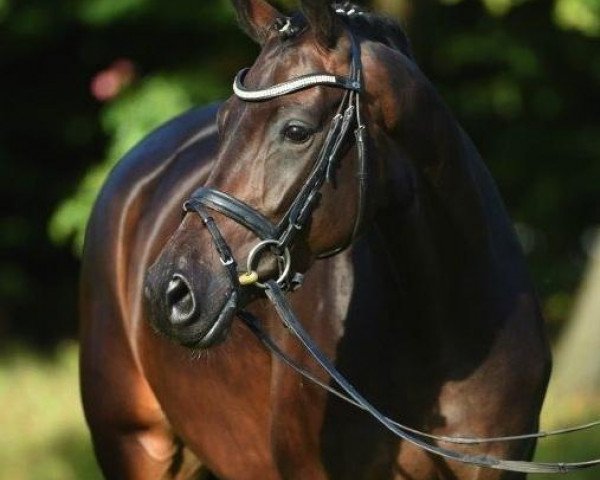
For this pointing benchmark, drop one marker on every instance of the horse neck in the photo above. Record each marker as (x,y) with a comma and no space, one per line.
(452,245)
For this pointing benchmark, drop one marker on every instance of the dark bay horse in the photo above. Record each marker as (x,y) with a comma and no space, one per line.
(429,311)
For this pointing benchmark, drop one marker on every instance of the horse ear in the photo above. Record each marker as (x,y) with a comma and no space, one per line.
(256,17)
(322,19)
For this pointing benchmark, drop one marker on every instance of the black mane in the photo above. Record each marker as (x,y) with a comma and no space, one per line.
(377,27)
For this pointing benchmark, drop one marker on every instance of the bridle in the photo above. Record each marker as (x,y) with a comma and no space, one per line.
(280,237)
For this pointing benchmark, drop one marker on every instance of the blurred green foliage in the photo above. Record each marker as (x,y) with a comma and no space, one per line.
(582,15)
(581,446)
(62,131)
(137,112)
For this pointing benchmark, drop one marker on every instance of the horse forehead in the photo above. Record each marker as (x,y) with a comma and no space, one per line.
(277,69)
(279,63)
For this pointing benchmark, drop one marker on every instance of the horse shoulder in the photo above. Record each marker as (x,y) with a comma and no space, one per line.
(125,418)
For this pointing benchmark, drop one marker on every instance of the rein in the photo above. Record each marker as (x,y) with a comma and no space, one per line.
(255,327)
(279,239)
(289,319)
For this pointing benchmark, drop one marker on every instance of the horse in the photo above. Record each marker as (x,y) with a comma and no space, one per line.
(397,256)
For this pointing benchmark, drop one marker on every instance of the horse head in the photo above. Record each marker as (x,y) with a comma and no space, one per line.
(308,128)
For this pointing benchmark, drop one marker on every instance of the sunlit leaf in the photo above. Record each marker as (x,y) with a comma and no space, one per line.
(581,15)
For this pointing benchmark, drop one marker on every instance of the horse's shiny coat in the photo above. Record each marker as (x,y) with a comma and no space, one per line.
(430,313)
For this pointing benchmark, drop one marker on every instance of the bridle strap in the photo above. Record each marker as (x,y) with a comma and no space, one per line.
(301,208)
(351,83)
(289,319)
(237,210)
(222,247)
(291,86)
(254,325)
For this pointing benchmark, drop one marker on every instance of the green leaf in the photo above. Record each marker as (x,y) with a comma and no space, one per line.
(581,15)
(127,121)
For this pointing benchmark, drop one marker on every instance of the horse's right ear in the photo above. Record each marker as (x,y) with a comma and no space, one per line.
(256,17)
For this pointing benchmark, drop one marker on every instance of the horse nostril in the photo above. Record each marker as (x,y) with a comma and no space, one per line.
(180,300)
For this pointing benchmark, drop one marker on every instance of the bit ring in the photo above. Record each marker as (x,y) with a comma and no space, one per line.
(286,257)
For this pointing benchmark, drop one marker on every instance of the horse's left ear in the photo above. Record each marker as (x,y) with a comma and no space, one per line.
(322,19)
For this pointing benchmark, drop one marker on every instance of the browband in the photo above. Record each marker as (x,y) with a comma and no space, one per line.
(291,86)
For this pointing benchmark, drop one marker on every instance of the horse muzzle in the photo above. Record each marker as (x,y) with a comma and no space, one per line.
(194,308)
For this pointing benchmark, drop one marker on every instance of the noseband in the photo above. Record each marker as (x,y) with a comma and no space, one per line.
(280,237)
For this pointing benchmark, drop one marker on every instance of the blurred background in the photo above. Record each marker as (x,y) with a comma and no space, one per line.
(81,81)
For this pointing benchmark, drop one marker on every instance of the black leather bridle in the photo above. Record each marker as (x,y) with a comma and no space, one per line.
(280,237)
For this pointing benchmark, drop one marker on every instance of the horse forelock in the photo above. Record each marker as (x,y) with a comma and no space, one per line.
(373,26)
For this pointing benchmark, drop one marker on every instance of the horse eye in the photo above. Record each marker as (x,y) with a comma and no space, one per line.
(297,133)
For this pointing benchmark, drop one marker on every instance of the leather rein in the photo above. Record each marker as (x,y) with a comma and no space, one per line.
(278,239)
